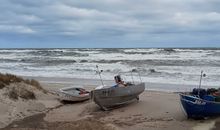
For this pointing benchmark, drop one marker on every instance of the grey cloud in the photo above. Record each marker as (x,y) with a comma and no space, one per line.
(141,20)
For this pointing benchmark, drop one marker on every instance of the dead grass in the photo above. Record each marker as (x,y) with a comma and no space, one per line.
(26,94)
(2,85)
(36,84)
(19,91)
(14,93)
(6,79)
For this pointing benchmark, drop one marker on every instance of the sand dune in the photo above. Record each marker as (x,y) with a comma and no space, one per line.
(20,104)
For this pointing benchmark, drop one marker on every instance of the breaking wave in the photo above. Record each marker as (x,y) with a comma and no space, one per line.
(167,65)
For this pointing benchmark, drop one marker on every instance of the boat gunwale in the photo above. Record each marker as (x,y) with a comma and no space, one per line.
(198,99)
(110,87)
(82,95)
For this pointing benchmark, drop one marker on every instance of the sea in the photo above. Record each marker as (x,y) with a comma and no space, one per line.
(154,65)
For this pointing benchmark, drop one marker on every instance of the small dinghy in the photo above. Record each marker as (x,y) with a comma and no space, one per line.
(73,94)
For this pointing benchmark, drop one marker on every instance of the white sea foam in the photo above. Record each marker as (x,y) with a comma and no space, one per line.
(177,66)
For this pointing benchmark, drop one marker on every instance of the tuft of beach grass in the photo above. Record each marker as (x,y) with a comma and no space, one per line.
(19,90)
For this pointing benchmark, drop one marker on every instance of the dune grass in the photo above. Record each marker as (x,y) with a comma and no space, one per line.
(15,92)
(35,83)
(6,79)
(23,93)
(2,85)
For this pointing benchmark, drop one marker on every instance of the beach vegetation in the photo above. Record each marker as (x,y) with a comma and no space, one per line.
(2,85)
(22,92)
(7,79)
(12,93)
(35,83)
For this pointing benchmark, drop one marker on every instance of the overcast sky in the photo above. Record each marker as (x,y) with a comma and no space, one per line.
(109,23)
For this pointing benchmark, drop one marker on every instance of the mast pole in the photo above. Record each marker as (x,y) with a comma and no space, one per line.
(200,82)
(99,72)
(132,77)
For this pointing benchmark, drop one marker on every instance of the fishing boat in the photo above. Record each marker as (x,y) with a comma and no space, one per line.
(201,103)
(107,97)
(73,94)
(196,107)
(114,96)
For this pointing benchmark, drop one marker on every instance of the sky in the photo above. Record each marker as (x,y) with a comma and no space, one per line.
(109,23)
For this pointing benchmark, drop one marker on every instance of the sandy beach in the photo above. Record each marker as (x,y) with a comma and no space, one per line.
(118,64)
(155,110)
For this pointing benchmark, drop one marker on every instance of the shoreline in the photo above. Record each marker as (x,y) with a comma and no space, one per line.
(88,83)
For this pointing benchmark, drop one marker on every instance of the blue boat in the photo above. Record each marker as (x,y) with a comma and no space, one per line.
(201,103)
(196,107)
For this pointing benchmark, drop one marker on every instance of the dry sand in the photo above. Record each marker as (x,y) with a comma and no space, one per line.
(16,109)
(154,111)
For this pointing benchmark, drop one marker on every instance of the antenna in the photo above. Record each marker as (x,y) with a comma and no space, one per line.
(200,81)
(99,72)
(139,75)
(132,77)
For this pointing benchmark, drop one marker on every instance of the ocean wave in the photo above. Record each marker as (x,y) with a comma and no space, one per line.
(84,70)
(153,64)
(5,52)
(43,62)
(142,53)
(157,62)
(167,50)
(56,62)
(149,51)
(144,71)
(216,54)
(9,60)
(83,61)
(55,53)
(108,61)
(111,50)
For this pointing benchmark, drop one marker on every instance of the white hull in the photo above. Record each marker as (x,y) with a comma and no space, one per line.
(72,94)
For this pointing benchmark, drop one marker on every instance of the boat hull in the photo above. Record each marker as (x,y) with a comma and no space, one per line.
(114,96)
(73,94)
(198,108)
(66,97)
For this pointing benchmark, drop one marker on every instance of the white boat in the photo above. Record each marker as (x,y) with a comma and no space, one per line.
(73,94)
